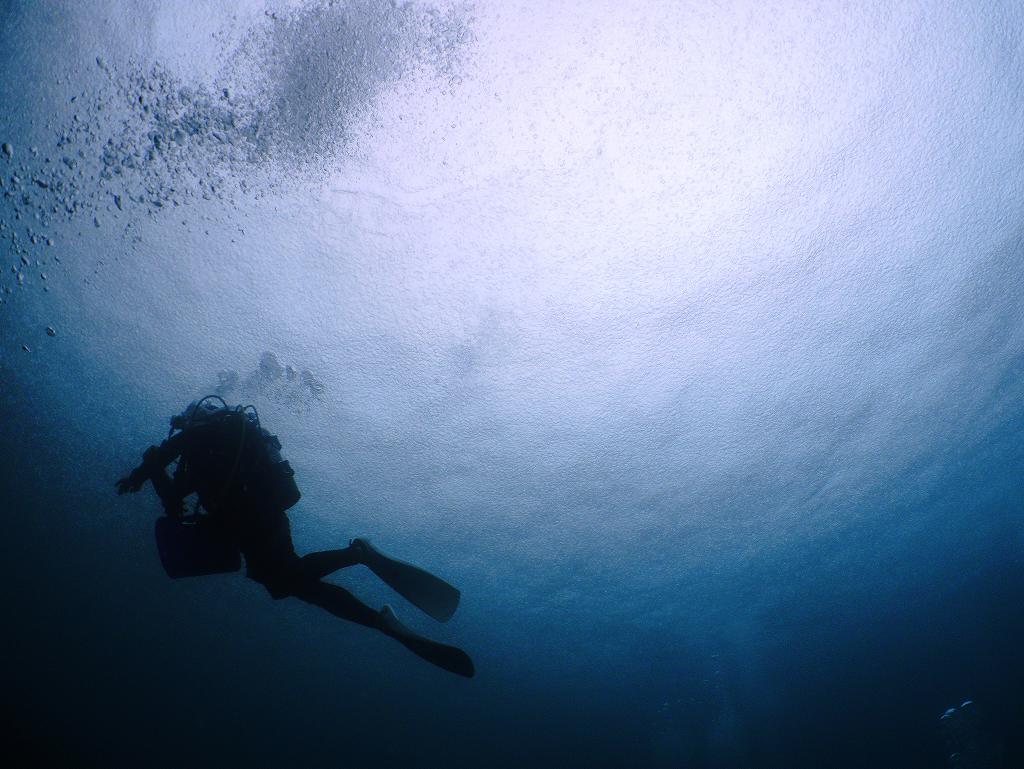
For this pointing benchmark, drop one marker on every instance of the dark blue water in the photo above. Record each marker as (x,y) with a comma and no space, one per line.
(686,342)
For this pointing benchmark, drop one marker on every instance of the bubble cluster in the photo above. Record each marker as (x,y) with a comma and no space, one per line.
(283,384)
(34,190)
(279,113)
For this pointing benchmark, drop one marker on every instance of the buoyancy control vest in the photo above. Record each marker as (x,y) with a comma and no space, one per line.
(273,478)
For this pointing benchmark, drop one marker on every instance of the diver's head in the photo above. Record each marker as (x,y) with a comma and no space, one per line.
(181,421)
(197,411)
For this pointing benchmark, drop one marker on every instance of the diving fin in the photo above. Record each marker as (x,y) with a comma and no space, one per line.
(450,658)
(421,588)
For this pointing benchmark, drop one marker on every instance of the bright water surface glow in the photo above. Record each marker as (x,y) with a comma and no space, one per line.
(686,339)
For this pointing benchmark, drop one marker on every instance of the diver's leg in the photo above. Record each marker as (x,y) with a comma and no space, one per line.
(319,565)
(450,658)
(424,590)
(338,601)
(341,603)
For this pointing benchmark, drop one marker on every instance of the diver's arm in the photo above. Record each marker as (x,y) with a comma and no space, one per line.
(173,501)
(154,461)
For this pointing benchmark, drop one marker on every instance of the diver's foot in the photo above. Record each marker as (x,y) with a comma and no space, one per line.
(449,658)
(362,547)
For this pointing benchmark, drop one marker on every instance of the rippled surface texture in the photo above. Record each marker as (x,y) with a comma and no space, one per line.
(685,339)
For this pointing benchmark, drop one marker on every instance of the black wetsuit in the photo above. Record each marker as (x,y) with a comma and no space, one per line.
(222,459)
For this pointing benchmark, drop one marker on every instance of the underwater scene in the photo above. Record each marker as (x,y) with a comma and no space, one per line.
(430,384)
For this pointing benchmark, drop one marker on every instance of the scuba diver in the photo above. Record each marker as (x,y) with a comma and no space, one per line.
(235,467)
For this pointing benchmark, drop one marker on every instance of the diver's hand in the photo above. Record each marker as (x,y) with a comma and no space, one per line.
(131,482)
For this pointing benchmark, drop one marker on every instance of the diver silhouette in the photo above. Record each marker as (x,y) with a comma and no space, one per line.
(235,468)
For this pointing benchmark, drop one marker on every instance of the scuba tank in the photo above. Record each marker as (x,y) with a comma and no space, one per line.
(195,546)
